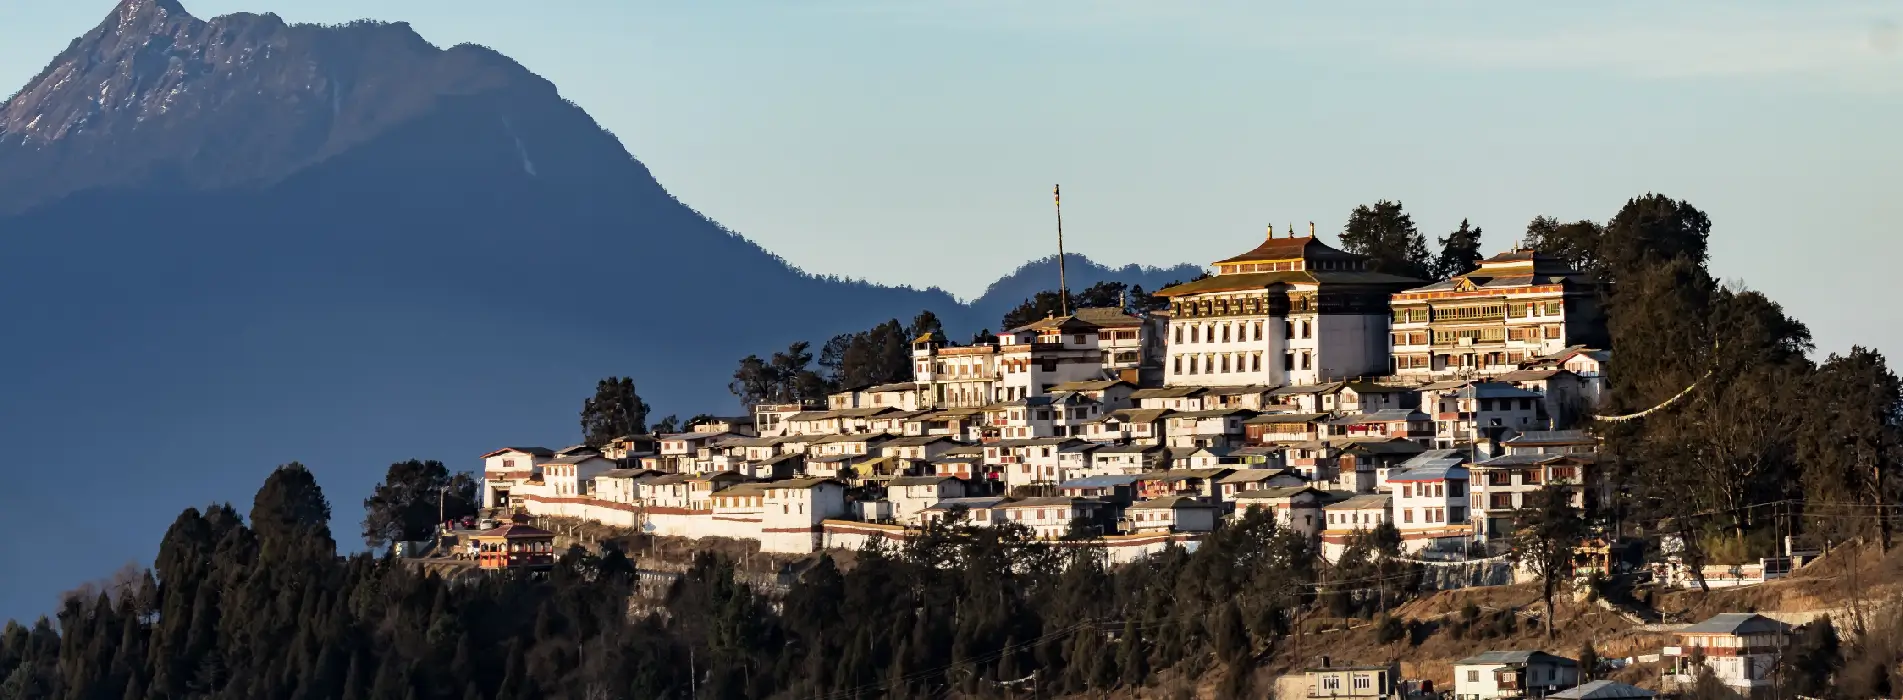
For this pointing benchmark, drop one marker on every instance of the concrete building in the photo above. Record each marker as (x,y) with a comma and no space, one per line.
(1431,502)
(1741,649)
(1170,514)
(1290,311)
(1518,306)
(1500,675)
(1297,508)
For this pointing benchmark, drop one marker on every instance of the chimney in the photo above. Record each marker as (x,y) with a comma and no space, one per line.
(1271,231)
(1321,662)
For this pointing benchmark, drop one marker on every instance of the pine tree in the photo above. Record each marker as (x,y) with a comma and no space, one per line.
(1459,252)
(614,411)
(1386,233)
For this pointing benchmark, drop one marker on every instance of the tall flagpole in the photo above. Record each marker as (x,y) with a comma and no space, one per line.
(1063,286)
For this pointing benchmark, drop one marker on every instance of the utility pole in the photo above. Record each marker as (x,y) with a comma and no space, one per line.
(1063,285)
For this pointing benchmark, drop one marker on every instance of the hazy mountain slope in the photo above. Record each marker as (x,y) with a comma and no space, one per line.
(233,243)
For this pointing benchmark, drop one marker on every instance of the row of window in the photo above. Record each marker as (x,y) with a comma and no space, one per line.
(1244,332)
(1225,363)
(1456,514)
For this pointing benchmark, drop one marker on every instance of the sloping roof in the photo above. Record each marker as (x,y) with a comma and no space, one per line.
(1062,323)
(1128,449)
(1087,385)
(1604,690)
(1275,492)
(1213,413)
(1386,415)
(968,502)
(1100,481)
(1285,418)
(1396,446)
(1182,474)
(535,451)
(626,473)
(1496,390)
(1108,316)
(1243,476)
(1134,415)
(1736,623)
(895,386)
(1167,392)
(804,483)
(1298,389)
(1290,247)
(1512,460)
(863,412)
(1048,501)
(1239,390)
(1530,375)
(1551,437)
(1362,502)
(1514,657)
(914,440)
(1363,386)
(921,480)
(1171,503)
(966,450)
(514,530)
(1432,472)
(576,458)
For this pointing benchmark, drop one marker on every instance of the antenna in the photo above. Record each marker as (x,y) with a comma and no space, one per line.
(1063,286)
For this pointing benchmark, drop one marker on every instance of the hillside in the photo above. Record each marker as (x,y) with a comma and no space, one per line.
(235,242)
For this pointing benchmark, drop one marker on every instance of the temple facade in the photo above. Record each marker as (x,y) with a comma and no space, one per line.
(1291,311)
(1518,306)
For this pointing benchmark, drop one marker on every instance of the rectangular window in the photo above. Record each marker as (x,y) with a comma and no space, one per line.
(1407,515)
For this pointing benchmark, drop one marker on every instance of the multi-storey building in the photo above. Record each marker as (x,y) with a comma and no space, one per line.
(1040,355)
(1518,306)
(1291,311)
(963,376)
(1741,649)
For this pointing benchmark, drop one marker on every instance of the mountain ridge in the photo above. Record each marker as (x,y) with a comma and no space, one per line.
(236,281)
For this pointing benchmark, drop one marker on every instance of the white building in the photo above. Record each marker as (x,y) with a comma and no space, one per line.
(1297,508)
(1518,306)
(1041,355)
(569,476)
(1290,311)
(954,376)
(1170,514)
(504,469)
(1741,649)
(1499,675)
(1430,502)
(911,495)
(1467,412)
(1349,518)
(1126,459)
(971,510)
(1050,517)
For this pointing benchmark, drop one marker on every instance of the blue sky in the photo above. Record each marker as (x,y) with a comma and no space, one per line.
(916,142)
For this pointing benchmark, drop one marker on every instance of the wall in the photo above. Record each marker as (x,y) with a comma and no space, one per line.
(1351,345)
(1271,346)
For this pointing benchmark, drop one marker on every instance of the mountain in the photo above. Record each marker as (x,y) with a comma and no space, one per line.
(233,243)
(1079,272)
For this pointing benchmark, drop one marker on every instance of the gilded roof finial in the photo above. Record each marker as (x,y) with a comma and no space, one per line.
(1271,231)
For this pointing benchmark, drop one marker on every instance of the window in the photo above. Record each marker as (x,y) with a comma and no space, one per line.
(1225,364)
(1457,489)
(1331,683)
(1179,363)
(1407,490)
(1288,361)
(1305,360)
(1255,362)
(1179,334)
(1225,332)
(1195,334)
(1258,330)
(1473,676)
(1407,515)
(1362,682)
(1305,329)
